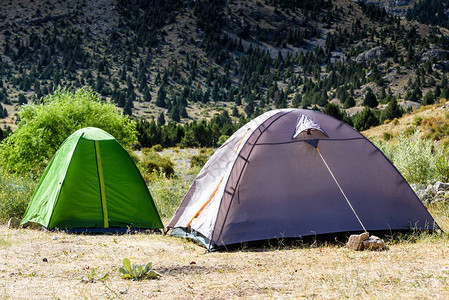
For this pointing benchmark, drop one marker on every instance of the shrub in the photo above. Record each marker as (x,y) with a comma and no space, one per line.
(15,194)
(222,139)
(410,130)
(419,160)
(417,120)
(198,161)
(387,136)
(153,163)
(44,127)
(157,148)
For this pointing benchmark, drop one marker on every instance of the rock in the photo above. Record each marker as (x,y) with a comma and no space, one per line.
(429,189)
(421,194)
(436,53)
(13,223)
(374,243)
(355,241)
(376,52)
(440,186)
(417,186)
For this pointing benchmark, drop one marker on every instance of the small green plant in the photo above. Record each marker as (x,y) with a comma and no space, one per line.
(137,271)
(417,120)
(157,148)
(387,136)
(92,277)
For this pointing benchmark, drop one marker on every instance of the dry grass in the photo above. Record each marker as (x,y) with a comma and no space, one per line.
(434,113)
(34,265)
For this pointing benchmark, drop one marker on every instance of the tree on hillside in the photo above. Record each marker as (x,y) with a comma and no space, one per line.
(161,95)
(333,110)
(161,119)
(365,119)
(370,99)
(44,127)
(391,111)
(429,98)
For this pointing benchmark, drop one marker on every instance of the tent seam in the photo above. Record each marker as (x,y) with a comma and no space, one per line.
(241,172)
(63,180)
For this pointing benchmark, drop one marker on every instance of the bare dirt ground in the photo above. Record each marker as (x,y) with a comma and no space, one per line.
(36,265)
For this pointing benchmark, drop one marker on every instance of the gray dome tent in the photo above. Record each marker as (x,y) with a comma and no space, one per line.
(293,173)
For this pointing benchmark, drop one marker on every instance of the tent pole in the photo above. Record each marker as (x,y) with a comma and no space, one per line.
(341,190)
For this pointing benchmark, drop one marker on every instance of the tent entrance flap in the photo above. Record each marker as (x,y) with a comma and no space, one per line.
(102,187)
(341,190)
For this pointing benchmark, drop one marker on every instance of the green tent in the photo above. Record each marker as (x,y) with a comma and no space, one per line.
(92,183)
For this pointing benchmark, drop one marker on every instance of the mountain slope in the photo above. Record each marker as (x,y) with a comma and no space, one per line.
(189,59)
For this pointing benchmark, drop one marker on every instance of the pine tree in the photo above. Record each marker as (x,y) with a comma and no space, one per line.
(161,95)
(161,119)
(428,98)
(22,99)
(370,99)
(391,111)
(147,95)
(350,102)
(127,110)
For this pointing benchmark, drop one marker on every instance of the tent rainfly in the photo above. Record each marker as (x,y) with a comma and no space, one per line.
(92,184)
(292,173)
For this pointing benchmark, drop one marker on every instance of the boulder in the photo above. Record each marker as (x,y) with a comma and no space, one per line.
(14,223)
(355,241)
(376,52)
(374,243)
(436,53)
(440,187)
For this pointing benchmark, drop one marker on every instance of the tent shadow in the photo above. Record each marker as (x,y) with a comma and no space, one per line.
(327,240)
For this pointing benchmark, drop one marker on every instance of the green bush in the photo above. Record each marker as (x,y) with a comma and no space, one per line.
(44,127)
(198,161)
(157,148)
(417,120)
(15,194)
(419,160)
(152,162)
(222,139)
(387,136)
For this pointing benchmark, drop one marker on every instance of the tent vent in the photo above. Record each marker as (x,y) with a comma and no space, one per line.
(305,127)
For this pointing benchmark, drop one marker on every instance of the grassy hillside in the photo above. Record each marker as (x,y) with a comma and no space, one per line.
(431,120)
